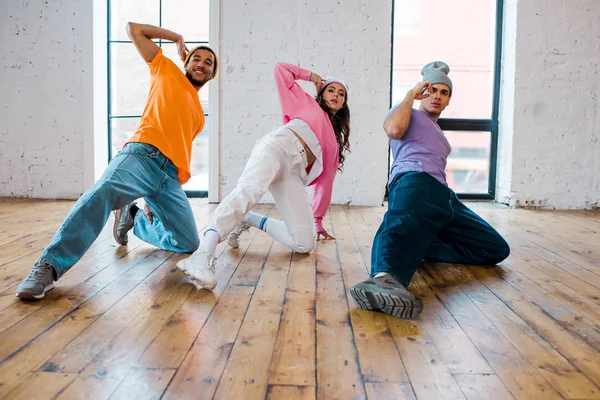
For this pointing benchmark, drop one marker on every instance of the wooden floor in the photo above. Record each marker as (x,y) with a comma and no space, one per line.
(124,323)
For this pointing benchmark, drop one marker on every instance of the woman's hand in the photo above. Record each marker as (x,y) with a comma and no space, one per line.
(317,80)
(326,236)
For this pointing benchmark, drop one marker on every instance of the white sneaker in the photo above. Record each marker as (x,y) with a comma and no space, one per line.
(201,269)
(233,240)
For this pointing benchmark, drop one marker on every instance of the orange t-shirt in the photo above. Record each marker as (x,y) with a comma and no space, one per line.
(173,116)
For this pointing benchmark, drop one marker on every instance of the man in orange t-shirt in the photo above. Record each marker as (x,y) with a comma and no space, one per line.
(153,164)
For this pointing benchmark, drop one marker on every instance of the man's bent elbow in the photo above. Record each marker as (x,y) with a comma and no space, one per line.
(131,29)
(394,133)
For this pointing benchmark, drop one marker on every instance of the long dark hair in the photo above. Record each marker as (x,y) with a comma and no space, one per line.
(341,125)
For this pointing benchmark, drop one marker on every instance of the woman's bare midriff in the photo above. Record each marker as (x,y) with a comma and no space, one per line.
(310,157)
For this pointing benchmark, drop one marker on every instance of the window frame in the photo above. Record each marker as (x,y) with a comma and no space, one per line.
(109,116)
(472,124)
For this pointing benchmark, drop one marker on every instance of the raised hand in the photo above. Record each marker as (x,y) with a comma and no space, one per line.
(182,49)
(317,80)
(421,90)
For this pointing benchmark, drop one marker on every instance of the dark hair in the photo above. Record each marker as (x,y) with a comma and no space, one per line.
(341,125)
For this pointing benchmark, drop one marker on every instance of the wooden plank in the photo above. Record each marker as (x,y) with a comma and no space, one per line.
(41,385)
(564,264)
(362,233)
(391,391)
(569,307)
(579,353)
(557,370)
(483,386)
(40,317)
(338,375)
(54,338)
(430,378)
(294,354)
(377,353)
(454,347)
(28,224)
(575,311)
(104,374)
(279,392)
(159,289)
(519,376)
(15,271)
(176,337)
(541,231)
(24,246)
(156,295)
(203,365)
(72,287)
(144,384)
(247,371)
(554,248)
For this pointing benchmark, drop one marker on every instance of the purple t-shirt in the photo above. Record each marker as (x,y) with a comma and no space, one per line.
(423,147)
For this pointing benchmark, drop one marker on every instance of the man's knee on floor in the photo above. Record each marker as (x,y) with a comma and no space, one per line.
(504,251)
(500,254)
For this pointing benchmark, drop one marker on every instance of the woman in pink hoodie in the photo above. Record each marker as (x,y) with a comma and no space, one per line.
(306,150)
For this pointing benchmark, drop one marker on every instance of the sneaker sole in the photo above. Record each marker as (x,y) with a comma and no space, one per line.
(196,282)
(31,296)
(115,226)
(386,302)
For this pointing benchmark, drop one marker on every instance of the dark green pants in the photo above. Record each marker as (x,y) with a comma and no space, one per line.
(426,221)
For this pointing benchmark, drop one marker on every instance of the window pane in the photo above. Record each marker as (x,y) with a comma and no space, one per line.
(122,129)
(460,33)
(199,164)
(170,50)
(468,168)
(130,80)
(124,11)
(187,17)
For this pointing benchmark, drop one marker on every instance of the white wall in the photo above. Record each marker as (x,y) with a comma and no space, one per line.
(550,112)
(555,113)
(43,110)
(349,41)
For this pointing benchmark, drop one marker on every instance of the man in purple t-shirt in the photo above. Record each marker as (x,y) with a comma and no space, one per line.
(425,220)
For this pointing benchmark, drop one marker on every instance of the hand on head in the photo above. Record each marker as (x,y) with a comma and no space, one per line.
(421,90)
(317,80)
(182,49)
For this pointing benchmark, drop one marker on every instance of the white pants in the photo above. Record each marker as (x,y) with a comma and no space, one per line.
(278,163)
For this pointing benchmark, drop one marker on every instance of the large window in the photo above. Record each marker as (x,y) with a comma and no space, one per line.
(466,35)
(129,77)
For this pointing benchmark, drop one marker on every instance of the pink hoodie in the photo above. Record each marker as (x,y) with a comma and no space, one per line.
(296,103)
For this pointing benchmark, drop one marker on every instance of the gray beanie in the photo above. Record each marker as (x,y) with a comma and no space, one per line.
(437,72)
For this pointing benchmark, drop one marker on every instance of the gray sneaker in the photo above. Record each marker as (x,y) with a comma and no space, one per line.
(233,240)
(123,224)
(37,283)
(387,295)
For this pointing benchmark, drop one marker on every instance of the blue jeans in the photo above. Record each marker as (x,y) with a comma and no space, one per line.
(426,221)
(139,170)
